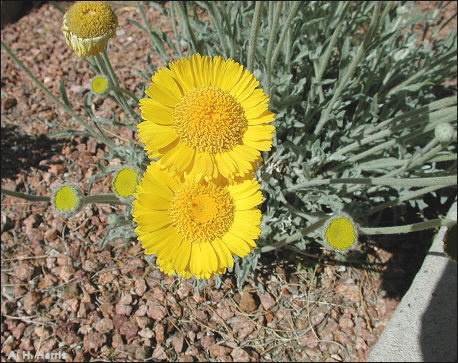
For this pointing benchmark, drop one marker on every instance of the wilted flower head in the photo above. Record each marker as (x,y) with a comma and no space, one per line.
(88,25)
(339,233)
(66,199)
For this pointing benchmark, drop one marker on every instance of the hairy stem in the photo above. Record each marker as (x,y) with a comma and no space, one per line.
(405,197)
(29,197)
(433,223)
(102,198)
(112,75)
(284,31)
(72,113)
(254,34)
(270,45)
(293,237)
(407,182)
(351,69)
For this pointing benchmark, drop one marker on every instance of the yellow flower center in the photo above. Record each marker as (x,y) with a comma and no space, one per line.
(210,120)
(201,212)
(90,19)
(125,182)
(99,84)
(65,199)
(340,233)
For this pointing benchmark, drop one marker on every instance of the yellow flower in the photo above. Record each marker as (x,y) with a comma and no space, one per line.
(88,25)
(66,199)
(99,84)
(125,182)
(204,117)
(195,227)
(340,233)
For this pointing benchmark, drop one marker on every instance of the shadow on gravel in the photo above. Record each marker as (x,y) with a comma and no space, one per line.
(20,152)
(409,250)
(438,324)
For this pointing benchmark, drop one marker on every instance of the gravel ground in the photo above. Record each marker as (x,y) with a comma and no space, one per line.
(61,294)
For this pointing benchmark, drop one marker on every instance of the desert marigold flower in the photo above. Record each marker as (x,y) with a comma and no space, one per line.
(88,25)
(340,233)
(67,199)
(204,117)
(99,84)
(194,227)
(124,182)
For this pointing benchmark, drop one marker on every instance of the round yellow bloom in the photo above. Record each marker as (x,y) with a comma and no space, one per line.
(99,84)
(125,182)
(194,227)
(88,25)
(66,199)
(340,233)
(205,118)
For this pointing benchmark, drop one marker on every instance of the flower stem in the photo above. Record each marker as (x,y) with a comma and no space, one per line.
(29,197)
(254,34)
(433,223)
(127,92)
(184,16)
(293,237)
(405,197)
(175,31)
(229,30)
(284,32)
(114,79)
(88,128)
(270,45)
(407,182)
(154,38)
(102,198)
(430,113)
(324,59)
(418,158)
(351,69)
(217,24)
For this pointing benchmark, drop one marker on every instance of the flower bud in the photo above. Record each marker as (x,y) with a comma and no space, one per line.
(340,233)
(100,85)
(444,132)
(67,200)
(125,182)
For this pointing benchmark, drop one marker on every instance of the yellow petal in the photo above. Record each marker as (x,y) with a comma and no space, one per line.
(248,203)
(209,256)
(195,263)
(156,136)
(263,118)
(223,253)
(248,231)
(236,245)
(183,255)
(157,92)
(155,112)
(165,77)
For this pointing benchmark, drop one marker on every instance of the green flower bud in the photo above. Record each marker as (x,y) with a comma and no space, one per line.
(340,233)
(124,183)
(67,200)
(444,132)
